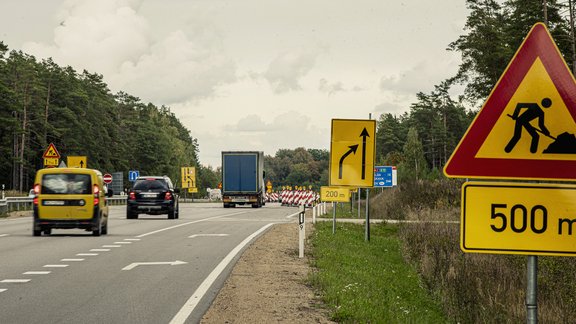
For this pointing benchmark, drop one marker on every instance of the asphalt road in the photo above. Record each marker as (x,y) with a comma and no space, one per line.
(148,270)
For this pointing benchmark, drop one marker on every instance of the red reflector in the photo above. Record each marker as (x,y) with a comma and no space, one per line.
(35,200)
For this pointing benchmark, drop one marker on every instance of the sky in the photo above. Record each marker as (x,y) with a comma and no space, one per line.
(250,74)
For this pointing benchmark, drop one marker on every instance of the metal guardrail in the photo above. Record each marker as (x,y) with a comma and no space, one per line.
(10,204)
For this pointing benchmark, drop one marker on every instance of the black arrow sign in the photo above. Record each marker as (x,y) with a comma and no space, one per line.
(352,149)
(364,134)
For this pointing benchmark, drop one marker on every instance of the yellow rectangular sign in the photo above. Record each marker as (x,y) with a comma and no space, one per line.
(52,162)
(77,161)
(334,194)
(352,154)
(188,177)
(518,218)
(192,190)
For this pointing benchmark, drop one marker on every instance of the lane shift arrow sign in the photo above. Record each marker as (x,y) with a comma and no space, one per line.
(135,264)
(352,149)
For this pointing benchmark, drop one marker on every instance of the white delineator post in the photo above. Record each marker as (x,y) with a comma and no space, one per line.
(302,230)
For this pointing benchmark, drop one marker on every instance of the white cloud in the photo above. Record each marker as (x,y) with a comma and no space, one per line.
(110,37)
(286,70)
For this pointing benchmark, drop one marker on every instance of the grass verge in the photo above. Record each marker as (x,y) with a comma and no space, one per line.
(368,282)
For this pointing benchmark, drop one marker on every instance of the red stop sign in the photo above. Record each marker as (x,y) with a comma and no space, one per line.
(107,178)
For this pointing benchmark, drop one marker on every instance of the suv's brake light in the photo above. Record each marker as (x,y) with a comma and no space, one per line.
(132,195)
(168,196)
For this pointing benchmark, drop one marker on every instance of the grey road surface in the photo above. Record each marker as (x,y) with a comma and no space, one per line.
(147,270)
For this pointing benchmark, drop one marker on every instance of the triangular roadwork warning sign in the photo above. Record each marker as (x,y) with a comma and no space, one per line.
(526,129)
(51,152)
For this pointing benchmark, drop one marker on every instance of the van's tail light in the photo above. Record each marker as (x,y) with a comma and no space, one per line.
(132,195)
(168,196)
(36,192)
(96,192)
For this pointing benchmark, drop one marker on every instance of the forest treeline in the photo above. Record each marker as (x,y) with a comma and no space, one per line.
(42,103)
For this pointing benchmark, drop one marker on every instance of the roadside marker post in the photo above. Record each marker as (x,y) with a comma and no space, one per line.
(302,230)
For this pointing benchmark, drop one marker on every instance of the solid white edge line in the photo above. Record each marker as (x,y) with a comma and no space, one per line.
(193,301)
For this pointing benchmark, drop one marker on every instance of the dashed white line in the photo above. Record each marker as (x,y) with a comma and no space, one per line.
(72,260)
(2,235)
(55,266)
(122,242)
(99,250)
(15,280)
(36,272)
(189,223)
(3,290)
(87,254)
(132,239)
(207,235)
(110,246)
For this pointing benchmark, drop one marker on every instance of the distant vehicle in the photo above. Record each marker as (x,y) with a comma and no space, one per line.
(243,178)
(70,198)
(153,195)
(214,194)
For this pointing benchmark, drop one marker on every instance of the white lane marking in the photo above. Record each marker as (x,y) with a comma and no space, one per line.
(207,235)
(189,223)
(295,214)
(87,254)
(193,301)
(72,260)
(15,280)
(3,290)
(134,265)
(3,235)
(122,242)
(36,272)
(132,239)
(99,250)
(111,246)
(55,266)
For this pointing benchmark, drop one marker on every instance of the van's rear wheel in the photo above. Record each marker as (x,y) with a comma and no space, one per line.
(36,232)
(98,230)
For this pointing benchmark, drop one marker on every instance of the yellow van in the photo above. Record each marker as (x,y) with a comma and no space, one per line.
(70,198)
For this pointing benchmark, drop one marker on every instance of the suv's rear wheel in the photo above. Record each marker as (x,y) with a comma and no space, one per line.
(131,215)
(171,214)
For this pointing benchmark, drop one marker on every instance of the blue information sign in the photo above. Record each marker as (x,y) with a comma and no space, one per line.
(384,176)
(132,175)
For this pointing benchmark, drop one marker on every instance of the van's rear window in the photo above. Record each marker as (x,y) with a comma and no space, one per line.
(66,184)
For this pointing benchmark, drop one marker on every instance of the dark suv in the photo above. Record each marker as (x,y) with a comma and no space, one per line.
(154,196)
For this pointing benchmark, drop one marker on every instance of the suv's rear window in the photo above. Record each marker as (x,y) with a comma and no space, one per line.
(150,184)
(63,183)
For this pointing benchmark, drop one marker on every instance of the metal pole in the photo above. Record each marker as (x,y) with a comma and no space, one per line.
(532,290)
(367,216)
(333,217)
(359,194)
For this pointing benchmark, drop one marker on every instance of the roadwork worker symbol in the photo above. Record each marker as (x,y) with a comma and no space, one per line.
(522,121)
